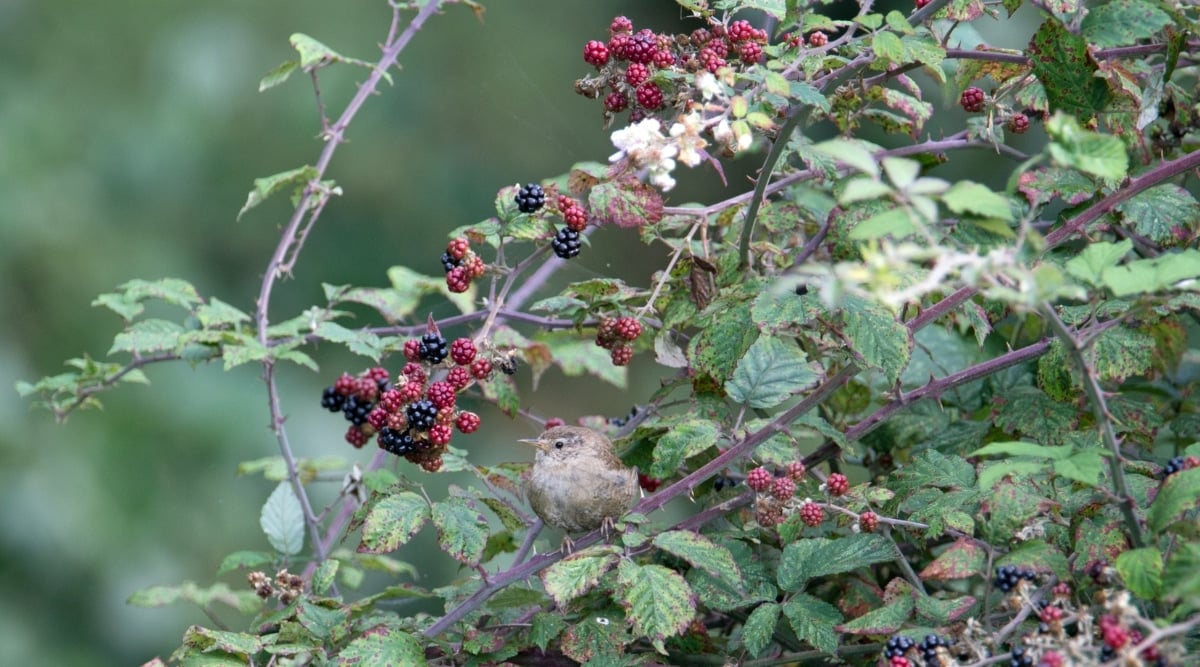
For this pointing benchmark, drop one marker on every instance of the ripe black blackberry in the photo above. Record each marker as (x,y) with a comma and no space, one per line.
(449,262)
(530,198)
(433,349)
(331,400)
(396,442)
(897,646)
(421,414)
(929,647)
(566,243)
(356,410)
(1173,466)
(1008,576)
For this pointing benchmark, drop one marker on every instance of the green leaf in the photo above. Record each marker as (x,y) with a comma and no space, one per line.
(462,529)
(852,153)
(1096,259)
(876,335)
(278,75)
(1018,448)
(1179,492)
(817,557)
(326,572)
(715,350)
(701,552)
(1141,570)
(1145,276)
(545,628)
(217,313)
(270,185)
(1181,579)
(245,559)
(769,373)
(576,356)
(967,197)
(282,520)
(1123,23)
(392,521)
(885,620)
(575,575)
(659,602)
(1038,556)
(237,643)
(759,628)
(148,336)
(363,343)
(1161,212)
(322,623)
(1083,467)
(391,647)
(626,203)
(942,611)
(814,621)
(1063,65)
(681,442)
(962,560)
(1101,155)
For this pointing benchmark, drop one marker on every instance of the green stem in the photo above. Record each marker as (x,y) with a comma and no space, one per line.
(764,178)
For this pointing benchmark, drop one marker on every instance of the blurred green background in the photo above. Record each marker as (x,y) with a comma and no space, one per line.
(130,133)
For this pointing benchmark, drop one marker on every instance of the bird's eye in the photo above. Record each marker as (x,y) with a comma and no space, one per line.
(558,444)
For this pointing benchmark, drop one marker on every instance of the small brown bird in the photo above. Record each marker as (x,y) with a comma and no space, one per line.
(577,482)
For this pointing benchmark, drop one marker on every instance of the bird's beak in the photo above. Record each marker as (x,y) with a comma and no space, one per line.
(534,442)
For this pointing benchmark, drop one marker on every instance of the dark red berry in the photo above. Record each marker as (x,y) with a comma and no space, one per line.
(818,39)
(356,436)
(620,24)
(628,328)
(618,45)
(575,216)
(663,58)
(413,372)
(783,488)
(837,484)
(595,53)
(475,267)
(921,3)
(377,418)
(467,422)
(345,385)
(740,31)
(554,421)
(649,95)
(868,522)
(636,74)
(481,369)
(710,59)
(621,355)
(812,514)
(616,102)
(795,470)
(391,400)
(459,377)
(458,280)
(700,37)
(440,434)
(462,351)
(759,479)
(972,99)
(648,483)
(457,248)
(412,349)
(411,391)
(641,47)
(1018,123)
(750,52)
(378,374)
(433,464)
(442,394)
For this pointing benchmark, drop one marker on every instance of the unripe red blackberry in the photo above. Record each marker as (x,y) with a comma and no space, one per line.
(1049,658)
(553,422)
(462,351)
(648,483)
(481,369)
(837,484)
(467,422)
(411,391)
(649,95)
(397,421)
(783,488)
(377,418)
(768,512)
(618,45)
(415,373)
(442,394)
(1018,123)
(433,464)
(391,400)
(868,522)
(663,58)
(616,102)
(457,280)
(620,24)
(750,52)
(345,385)
(458,247)
(366,389)
(921,3)
(636,74)
(606,333)
(972,99)
(475,267)
(378,374)
(710,59)
(459,377)
(759,479)
(621,355)
(795,471)
(530,198)
(700,37)
(740,31)
(356,436)
(595,53)
(818,39)
(412,349)
(445,415)
(575,216)
(719,47)
(641,47)
(812,514)
(628,328)
(440,434)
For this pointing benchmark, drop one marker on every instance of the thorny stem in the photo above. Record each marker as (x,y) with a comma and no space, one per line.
(1104,419)
(666,273)
(288,249)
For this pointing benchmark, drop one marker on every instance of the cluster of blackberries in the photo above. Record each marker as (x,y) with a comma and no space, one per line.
(616,334)
(462,265)
(1020,658)
(1179,464)
(1008,576)
(634,67)
(530,198)
(929,648)
(355,397)
(897,646)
